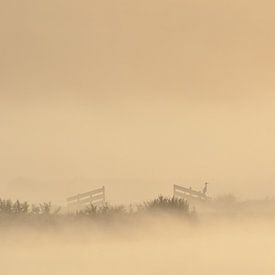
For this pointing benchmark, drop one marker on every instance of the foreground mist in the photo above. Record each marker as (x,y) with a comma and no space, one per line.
(222,240)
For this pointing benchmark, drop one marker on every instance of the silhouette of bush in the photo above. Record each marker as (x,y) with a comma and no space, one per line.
(102,211)
(45,214)
(7,207)
(166,204)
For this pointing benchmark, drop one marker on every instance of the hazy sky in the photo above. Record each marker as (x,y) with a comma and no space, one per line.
(149,90)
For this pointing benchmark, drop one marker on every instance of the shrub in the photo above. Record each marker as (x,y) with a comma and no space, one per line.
(103,211)
(167,204)
(8,207)
(45,214)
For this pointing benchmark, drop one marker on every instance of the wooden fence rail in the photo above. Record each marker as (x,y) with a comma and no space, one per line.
(187,193)
(94,197)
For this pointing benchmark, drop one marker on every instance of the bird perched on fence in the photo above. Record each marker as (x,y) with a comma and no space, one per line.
(204,191)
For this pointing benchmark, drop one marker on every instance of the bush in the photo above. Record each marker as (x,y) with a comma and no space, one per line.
(7,207)
(167,204)
(44,214)
(103,211)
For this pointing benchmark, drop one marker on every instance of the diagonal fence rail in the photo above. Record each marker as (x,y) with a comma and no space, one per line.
(94,197)
(187,193)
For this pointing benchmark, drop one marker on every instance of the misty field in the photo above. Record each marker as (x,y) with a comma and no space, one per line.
(161,236)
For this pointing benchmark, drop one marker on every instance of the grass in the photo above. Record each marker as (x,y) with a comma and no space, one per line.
(45,213)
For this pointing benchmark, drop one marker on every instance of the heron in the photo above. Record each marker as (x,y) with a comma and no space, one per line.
(204,191)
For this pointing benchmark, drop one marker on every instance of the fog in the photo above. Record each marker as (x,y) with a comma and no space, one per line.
(50,151)
(137,96)
(154,246)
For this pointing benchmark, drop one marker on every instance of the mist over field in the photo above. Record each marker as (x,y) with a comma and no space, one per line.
(153,245)
(224,236)
(137,96)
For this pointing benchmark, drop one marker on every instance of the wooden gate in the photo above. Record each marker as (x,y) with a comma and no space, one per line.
(188,193)
(94,197)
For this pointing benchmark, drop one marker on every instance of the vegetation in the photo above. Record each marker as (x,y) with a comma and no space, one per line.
(7,207)
(165,204)
(18,211)
(102,211)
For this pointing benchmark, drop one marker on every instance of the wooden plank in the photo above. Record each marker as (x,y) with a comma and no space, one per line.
(88,200)
(92,200)
(72,198)
(184,192)
(98,197)
(99,190)
(83,195)
(188,190)
(180,188)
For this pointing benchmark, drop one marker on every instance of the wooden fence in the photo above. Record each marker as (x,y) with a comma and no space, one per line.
(94,197)
(187,193)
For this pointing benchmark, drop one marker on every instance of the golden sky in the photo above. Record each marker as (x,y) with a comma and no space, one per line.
(167,89)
